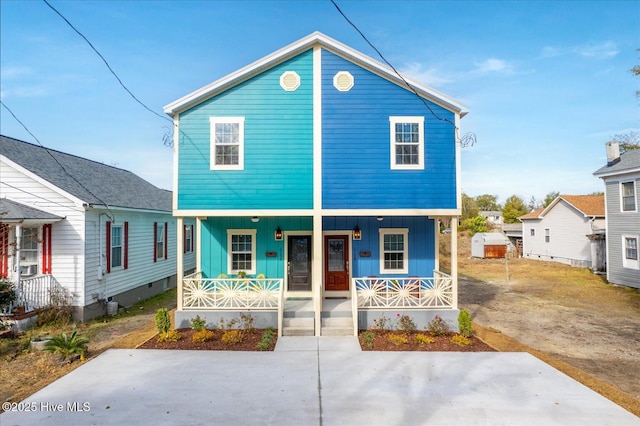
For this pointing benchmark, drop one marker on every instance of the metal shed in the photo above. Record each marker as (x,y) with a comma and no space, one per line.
(490,245)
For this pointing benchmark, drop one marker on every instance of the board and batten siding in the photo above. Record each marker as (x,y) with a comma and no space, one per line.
(278,145)
(356,155)
(142,269)
(568,242)
(67,235)
(620,223)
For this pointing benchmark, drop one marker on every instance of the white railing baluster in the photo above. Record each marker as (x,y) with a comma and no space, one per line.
(230,293)
(406,293)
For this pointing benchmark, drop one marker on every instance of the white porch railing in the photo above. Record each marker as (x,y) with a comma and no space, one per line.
(405,293)
(34,293)
(230,293)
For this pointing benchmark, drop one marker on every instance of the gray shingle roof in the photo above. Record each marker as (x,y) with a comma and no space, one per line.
(10,210)
(92,182)
(629,161)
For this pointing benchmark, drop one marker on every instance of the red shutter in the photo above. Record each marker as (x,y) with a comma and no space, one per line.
(155,241)
(108,246)
(126,245)
(4,250)
(46,249)
(166,240)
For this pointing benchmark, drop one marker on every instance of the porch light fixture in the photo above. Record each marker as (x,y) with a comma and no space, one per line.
(357,234)
(380,218)
(278,234)
(255,219)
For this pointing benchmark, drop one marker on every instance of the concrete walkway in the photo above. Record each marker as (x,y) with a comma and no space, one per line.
(316,381)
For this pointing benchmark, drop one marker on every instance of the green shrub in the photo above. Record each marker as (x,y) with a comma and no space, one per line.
(398,339)
(475,224)
(198,323)
(267,339)
(423,339)
(163,321)
(464,323)
(460,340)
(368,337)
(169,336)
(64,345)
(438,327)
(202,336)
(7,294)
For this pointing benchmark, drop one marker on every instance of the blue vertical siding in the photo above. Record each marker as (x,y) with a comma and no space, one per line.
(213,244)
(355,145)
(278,166)
(421,243)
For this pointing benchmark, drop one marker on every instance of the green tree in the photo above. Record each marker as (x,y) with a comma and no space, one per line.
(487,202)
(548,199)
(475,225)
(514,207)
(469,207)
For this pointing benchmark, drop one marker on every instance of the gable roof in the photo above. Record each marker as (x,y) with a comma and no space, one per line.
(629,163)
(92,182)
(305,43)
(588,205)
(11,211)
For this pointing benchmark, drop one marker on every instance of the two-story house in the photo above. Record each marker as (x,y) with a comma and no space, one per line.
(75,229)
(621,178)
(318,177)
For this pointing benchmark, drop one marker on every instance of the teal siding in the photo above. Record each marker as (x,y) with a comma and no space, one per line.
(278,165)
(213,244)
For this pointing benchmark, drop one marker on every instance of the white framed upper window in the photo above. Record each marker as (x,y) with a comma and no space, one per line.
(547,235)
(394,251)
(630,245)
(29,251)
(407,143)
(628,196)
(241,249)
(227,143)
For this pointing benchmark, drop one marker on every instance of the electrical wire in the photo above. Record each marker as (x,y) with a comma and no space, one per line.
(469,139)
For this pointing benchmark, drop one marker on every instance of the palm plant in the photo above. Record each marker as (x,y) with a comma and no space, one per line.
(64,345)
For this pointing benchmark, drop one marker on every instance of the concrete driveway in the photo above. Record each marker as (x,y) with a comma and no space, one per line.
(316,381)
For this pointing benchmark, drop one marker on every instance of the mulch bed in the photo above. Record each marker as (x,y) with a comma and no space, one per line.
(250,340)
(381,342)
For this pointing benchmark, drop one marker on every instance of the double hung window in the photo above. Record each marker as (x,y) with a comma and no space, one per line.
(227,143)
(407,142)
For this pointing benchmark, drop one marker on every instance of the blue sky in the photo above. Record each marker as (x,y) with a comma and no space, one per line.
(546,83)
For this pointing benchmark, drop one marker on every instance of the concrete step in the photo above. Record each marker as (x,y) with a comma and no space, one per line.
(337,326)
(297,326)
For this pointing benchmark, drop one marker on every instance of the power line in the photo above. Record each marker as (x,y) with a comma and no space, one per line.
(469,139)
(55,159)
(105,62)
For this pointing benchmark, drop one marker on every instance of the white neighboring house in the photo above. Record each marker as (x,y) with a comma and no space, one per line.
(100,232)
(570,230)
(621,178)
(494,217)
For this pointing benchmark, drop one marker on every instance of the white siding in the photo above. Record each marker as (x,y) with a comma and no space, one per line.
(67,235)
(568,243)
(141,270)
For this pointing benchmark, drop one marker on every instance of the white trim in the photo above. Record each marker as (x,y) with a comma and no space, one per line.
(317,40)
(393,120)
(630,263)
(458,143)
(121,265)
(634,190)
(349,82)
(254,243)
(176,141)
(212,143)
(405,251)
(391,212)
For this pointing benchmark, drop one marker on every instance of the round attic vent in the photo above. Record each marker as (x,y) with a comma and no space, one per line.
(290,81)
(343,81)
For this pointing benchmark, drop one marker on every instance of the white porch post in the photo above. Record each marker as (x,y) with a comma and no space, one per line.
(18,274)
(454,260)
(180,261)
(318,266)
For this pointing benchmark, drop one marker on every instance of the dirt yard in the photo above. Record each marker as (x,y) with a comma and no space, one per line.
(567,313)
